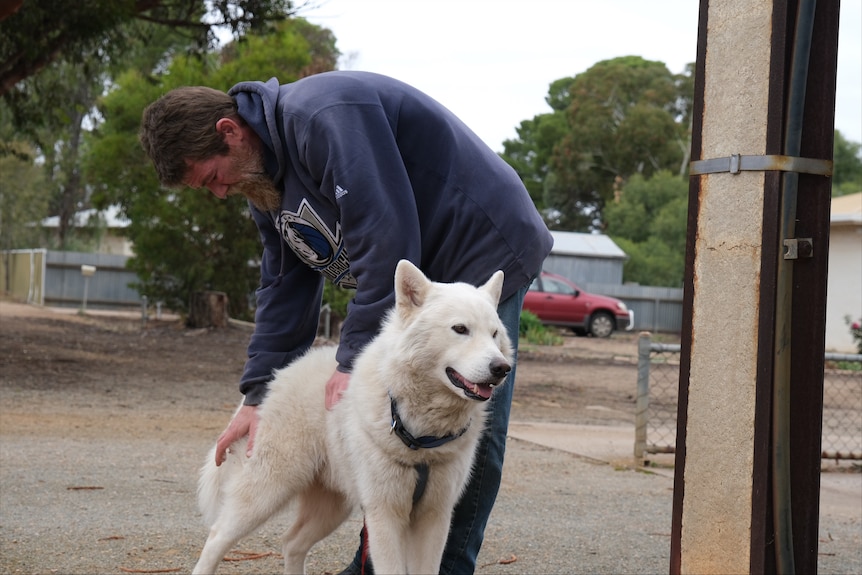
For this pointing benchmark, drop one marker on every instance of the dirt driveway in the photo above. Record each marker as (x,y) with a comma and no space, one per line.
(87,397)
(162,366)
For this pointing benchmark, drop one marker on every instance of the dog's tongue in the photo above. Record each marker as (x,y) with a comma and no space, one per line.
(483,391)
(475,390)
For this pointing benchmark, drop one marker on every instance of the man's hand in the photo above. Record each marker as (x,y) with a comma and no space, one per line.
(335,388)
(243,423)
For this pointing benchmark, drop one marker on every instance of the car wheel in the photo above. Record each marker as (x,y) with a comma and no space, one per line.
(601,325)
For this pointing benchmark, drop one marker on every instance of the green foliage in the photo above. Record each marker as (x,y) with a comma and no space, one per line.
(188,240)
(292,50)
(559,96)
(847,365)
(54,108)
(43,31)
(191,241)
(533,331)
(612,156)
(184,240)
(530,154)
(652,263)
(622,121)
(621,117)
(51,110)
(847,172)
(337,297)
(23,201)
(647,220)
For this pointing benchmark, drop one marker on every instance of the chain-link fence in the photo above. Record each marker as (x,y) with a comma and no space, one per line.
(658,386)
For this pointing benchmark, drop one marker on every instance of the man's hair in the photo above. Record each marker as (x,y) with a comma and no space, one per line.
(181,126)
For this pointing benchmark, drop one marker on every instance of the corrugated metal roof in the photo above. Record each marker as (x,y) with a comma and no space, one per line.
(586,245)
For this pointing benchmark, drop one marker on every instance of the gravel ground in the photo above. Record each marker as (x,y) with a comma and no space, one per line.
(91,505)
(103,426)
(88,504)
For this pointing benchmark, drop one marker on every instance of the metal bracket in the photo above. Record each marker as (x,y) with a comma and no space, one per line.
(798,248)
(739,163)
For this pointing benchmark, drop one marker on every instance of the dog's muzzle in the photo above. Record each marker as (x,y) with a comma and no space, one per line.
(480,391)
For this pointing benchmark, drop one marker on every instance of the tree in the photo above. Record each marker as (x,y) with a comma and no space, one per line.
(43,31)
(290,50)
(647,219)
(50,111)
(530,154)
(847,172)
(621,117)
(54,108)
(187,240)
(622,121)
(23,201)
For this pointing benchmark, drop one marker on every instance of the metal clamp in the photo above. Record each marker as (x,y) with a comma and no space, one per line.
(796,248)
(739,163)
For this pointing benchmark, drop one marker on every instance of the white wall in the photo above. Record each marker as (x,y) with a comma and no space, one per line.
(844,287)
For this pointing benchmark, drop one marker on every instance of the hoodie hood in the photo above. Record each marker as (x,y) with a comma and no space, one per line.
(256,102)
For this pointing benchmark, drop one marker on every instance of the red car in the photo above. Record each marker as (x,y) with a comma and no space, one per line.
(556,300)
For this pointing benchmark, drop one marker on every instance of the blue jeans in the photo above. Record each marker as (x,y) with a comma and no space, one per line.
(471,514)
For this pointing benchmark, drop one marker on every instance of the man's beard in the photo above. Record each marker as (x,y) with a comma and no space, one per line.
(259,190)
(255,184)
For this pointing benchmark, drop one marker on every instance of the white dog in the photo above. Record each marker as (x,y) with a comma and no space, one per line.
(400,443)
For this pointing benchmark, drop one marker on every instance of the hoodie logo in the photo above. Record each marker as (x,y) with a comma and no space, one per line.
(316,245)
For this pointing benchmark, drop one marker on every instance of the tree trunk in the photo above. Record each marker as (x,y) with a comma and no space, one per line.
(71,191)
(208,309)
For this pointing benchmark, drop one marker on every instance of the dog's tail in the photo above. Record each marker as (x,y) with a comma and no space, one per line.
(213,481)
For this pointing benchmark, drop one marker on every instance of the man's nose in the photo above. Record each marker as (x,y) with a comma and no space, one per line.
(218,190)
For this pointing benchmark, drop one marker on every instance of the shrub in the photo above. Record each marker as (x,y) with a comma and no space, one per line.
(534,331)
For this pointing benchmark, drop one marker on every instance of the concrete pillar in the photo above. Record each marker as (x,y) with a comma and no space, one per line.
(718,470)
(722,519)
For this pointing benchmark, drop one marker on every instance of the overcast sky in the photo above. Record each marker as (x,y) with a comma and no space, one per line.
(492,61)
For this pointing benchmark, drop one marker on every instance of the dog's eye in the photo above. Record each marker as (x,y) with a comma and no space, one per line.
(496,333)
(460,329)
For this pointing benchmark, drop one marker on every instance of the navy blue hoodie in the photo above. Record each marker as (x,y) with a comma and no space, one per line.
(372,171)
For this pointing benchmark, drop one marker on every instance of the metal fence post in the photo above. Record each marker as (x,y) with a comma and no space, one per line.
(642,405)
(87,272)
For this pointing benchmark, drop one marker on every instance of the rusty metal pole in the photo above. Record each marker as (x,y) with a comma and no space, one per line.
(724,517)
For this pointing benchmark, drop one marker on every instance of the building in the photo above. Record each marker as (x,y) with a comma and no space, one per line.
(586,258)
(105,229)
(844,284)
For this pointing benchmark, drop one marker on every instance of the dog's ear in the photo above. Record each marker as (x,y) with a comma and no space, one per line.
(411,287)
(494,286)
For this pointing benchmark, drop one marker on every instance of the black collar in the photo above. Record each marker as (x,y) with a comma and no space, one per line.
(424,442)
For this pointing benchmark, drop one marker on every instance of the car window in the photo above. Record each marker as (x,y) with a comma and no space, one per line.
(555,286)
(536,285)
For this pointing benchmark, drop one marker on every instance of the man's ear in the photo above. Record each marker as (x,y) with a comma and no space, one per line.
(230,130)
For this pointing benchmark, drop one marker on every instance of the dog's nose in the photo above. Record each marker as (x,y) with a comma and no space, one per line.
(500,369)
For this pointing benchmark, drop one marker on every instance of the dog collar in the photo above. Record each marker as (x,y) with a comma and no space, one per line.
(424,442)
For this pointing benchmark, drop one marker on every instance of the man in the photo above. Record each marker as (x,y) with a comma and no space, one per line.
(346,174)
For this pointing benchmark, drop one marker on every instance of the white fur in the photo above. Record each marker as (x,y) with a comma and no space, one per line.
(325,463)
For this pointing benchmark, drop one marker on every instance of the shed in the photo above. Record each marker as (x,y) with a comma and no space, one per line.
(586,258)
(844,283)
